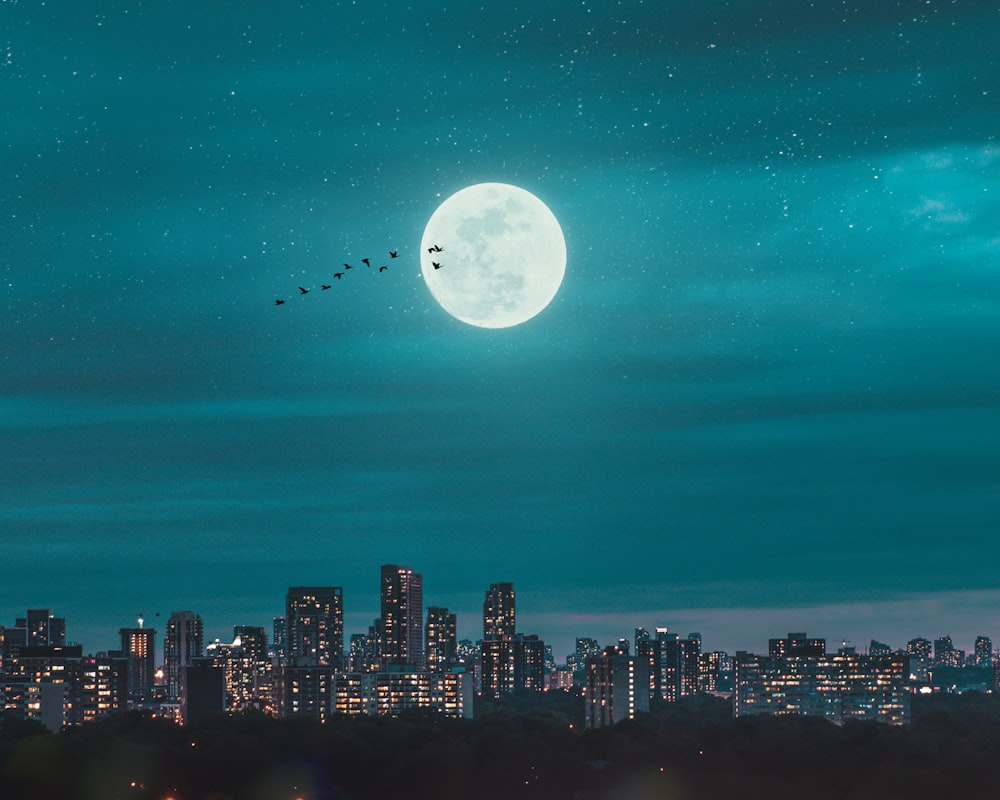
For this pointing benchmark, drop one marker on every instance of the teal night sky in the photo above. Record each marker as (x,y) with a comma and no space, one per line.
(766,397)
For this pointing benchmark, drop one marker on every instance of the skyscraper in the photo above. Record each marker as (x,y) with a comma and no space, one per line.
(509,661)
(139,650)
(314,626)
(402,616)
(183,643)
(498,612)
(441,638)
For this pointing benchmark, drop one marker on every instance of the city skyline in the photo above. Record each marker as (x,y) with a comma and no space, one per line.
(762,399)
(470,627)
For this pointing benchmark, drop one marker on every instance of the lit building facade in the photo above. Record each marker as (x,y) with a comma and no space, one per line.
(308,692)
(877,648)
(139,650)
(983,651)
(393,692)
(674,664)
(247,670)
(499,614)
(314,626)
(441,639)
(919,652)
(510,665)
(42,628)
(946,655)
(808,682)
(710,671)
(184,642)
(583,648)
(402,602)
(796,644)
(616,688)
(497,671)
(87,688)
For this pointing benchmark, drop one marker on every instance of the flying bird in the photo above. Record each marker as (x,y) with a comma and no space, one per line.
(435,265)
(325,286)
(382,269)
(366,262)
(435,249)
(279,302)
(347,266)
(304,291)
(392,254)
(338,275)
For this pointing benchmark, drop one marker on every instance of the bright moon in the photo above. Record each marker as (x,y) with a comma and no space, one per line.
(502,255)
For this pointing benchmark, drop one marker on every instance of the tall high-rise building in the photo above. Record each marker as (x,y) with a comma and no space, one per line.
(246,670)
(710,671)
(984,651)
(919,653)
(497,671)
(402,595)
(314,626)
(586,646)
(529,662)
(616,688)
(943,649)
(946,654)
(441,639)
(674,664)
(690,664)
(139,651)
(279,640)
(498,612)
(42,628)
(183,643)
(510,665)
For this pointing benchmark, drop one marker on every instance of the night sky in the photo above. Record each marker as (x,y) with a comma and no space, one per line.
(766,397)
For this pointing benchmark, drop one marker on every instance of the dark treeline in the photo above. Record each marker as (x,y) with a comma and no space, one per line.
(524,747)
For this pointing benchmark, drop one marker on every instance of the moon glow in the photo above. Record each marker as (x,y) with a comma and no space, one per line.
(503,255)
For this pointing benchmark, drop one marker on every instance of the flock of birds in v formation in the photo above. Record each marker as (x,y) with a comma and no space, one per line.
(339,275)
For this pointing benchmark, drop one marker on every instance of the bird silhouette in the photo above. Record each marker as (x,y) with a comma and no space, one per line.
(325,286)
(304,291)
(338,275)
(435,249)
(435,265)
(279,302)
(366,262)
(392,254)
(348,266)
(382,269)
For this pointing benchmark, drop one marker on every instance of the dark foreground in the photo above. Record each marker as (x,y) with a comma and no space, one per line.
(522,750)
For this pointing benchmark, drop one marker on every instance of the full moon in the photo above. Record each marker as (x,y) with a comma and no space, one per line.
(502,255)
